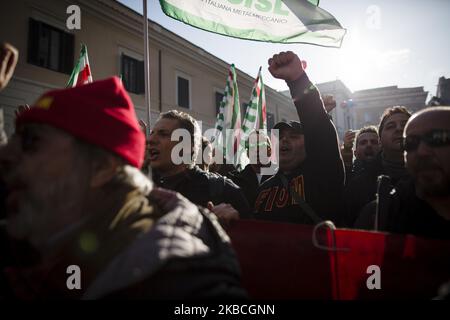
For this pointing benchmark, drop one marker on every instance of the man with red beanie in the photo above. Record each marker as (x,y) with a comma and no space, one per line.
(83,222)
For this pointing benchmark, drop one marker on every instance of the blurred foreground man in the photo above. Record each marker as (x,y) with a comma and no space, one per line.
(422,205)
(81,222)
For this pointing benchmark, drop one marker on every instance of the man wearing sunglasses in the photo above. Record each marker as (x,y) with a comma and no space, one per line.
(422,206)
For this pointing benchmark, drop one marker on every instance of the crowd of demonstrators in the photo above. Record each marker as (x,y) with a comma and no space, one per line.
(365,149)
(308,185)
(76,197)
(362,188)
(251,178)
(74,181)
(216,192)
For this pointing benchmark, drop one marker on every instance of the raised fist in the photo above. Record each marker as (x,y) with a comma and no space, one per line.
(329,102)
(286,66)
(349,138)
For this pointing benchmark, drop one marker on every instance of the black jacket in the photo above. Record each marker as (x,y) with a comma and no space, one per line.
(403,212)
(200,187)
(362,188)
(407,214)
(320,179)
(248,182)
(358,167)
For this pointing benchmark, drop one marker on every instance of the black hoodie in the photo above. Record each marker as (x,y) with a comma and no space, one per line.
(320,178)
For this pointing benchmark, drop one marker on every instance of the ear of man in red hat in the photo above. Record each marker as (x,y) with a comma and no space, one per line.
(76,197)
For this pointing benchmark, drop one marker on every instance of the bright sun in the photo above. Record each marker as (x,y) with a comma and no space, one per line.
(356,61)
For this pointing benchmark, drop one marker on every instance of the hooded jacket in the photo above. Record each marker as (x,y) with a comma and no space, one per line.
(319,180)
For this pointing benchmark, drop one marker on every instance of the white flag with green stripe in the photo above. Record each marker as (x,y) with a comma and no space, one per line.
(228,122)
(255,117)
(282,21)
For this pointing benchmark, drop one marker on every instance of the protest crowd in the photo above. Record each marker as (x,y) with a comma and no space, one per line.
(83,184)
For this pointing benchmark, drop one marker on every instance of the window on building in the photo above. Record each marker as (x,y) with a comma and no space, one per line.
(132,71)
(270,120)
(183,99)
(49,47)
(218,99)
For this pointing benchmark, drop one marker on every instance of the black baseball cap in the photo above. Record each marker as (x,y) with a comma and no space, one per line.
(295,125)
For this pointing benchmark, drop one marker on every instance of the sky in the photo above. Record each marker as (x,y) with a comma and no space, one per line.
(402,42)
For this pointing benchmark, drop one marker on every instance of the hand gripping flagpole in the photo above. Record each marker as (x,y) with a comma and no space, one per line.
(146,67)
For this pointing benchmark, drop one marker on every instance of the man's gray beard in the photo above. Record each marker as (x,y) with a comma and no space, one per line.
(50,208)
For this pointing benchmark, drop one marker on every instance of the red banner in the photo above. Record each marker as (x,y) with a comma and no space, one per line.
(280,261)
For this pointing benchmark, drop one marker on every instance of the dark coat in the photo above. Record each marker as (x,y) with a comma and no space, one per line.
(407,214)
(362,188)
(200,187)
(248,182)
(319,181)
(134,251)
(404,213)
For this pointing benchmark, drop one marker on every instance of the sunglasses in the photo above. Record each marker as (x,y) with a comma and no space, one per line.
(434,139)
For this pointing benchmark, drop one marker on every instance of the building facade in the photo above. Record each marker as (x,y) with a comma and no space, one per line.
(182,76)
(364,107)
(370,104)
(443,91)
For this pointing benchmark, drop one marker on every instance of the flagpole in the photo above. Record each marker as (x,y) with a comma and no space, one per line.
(146,66)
